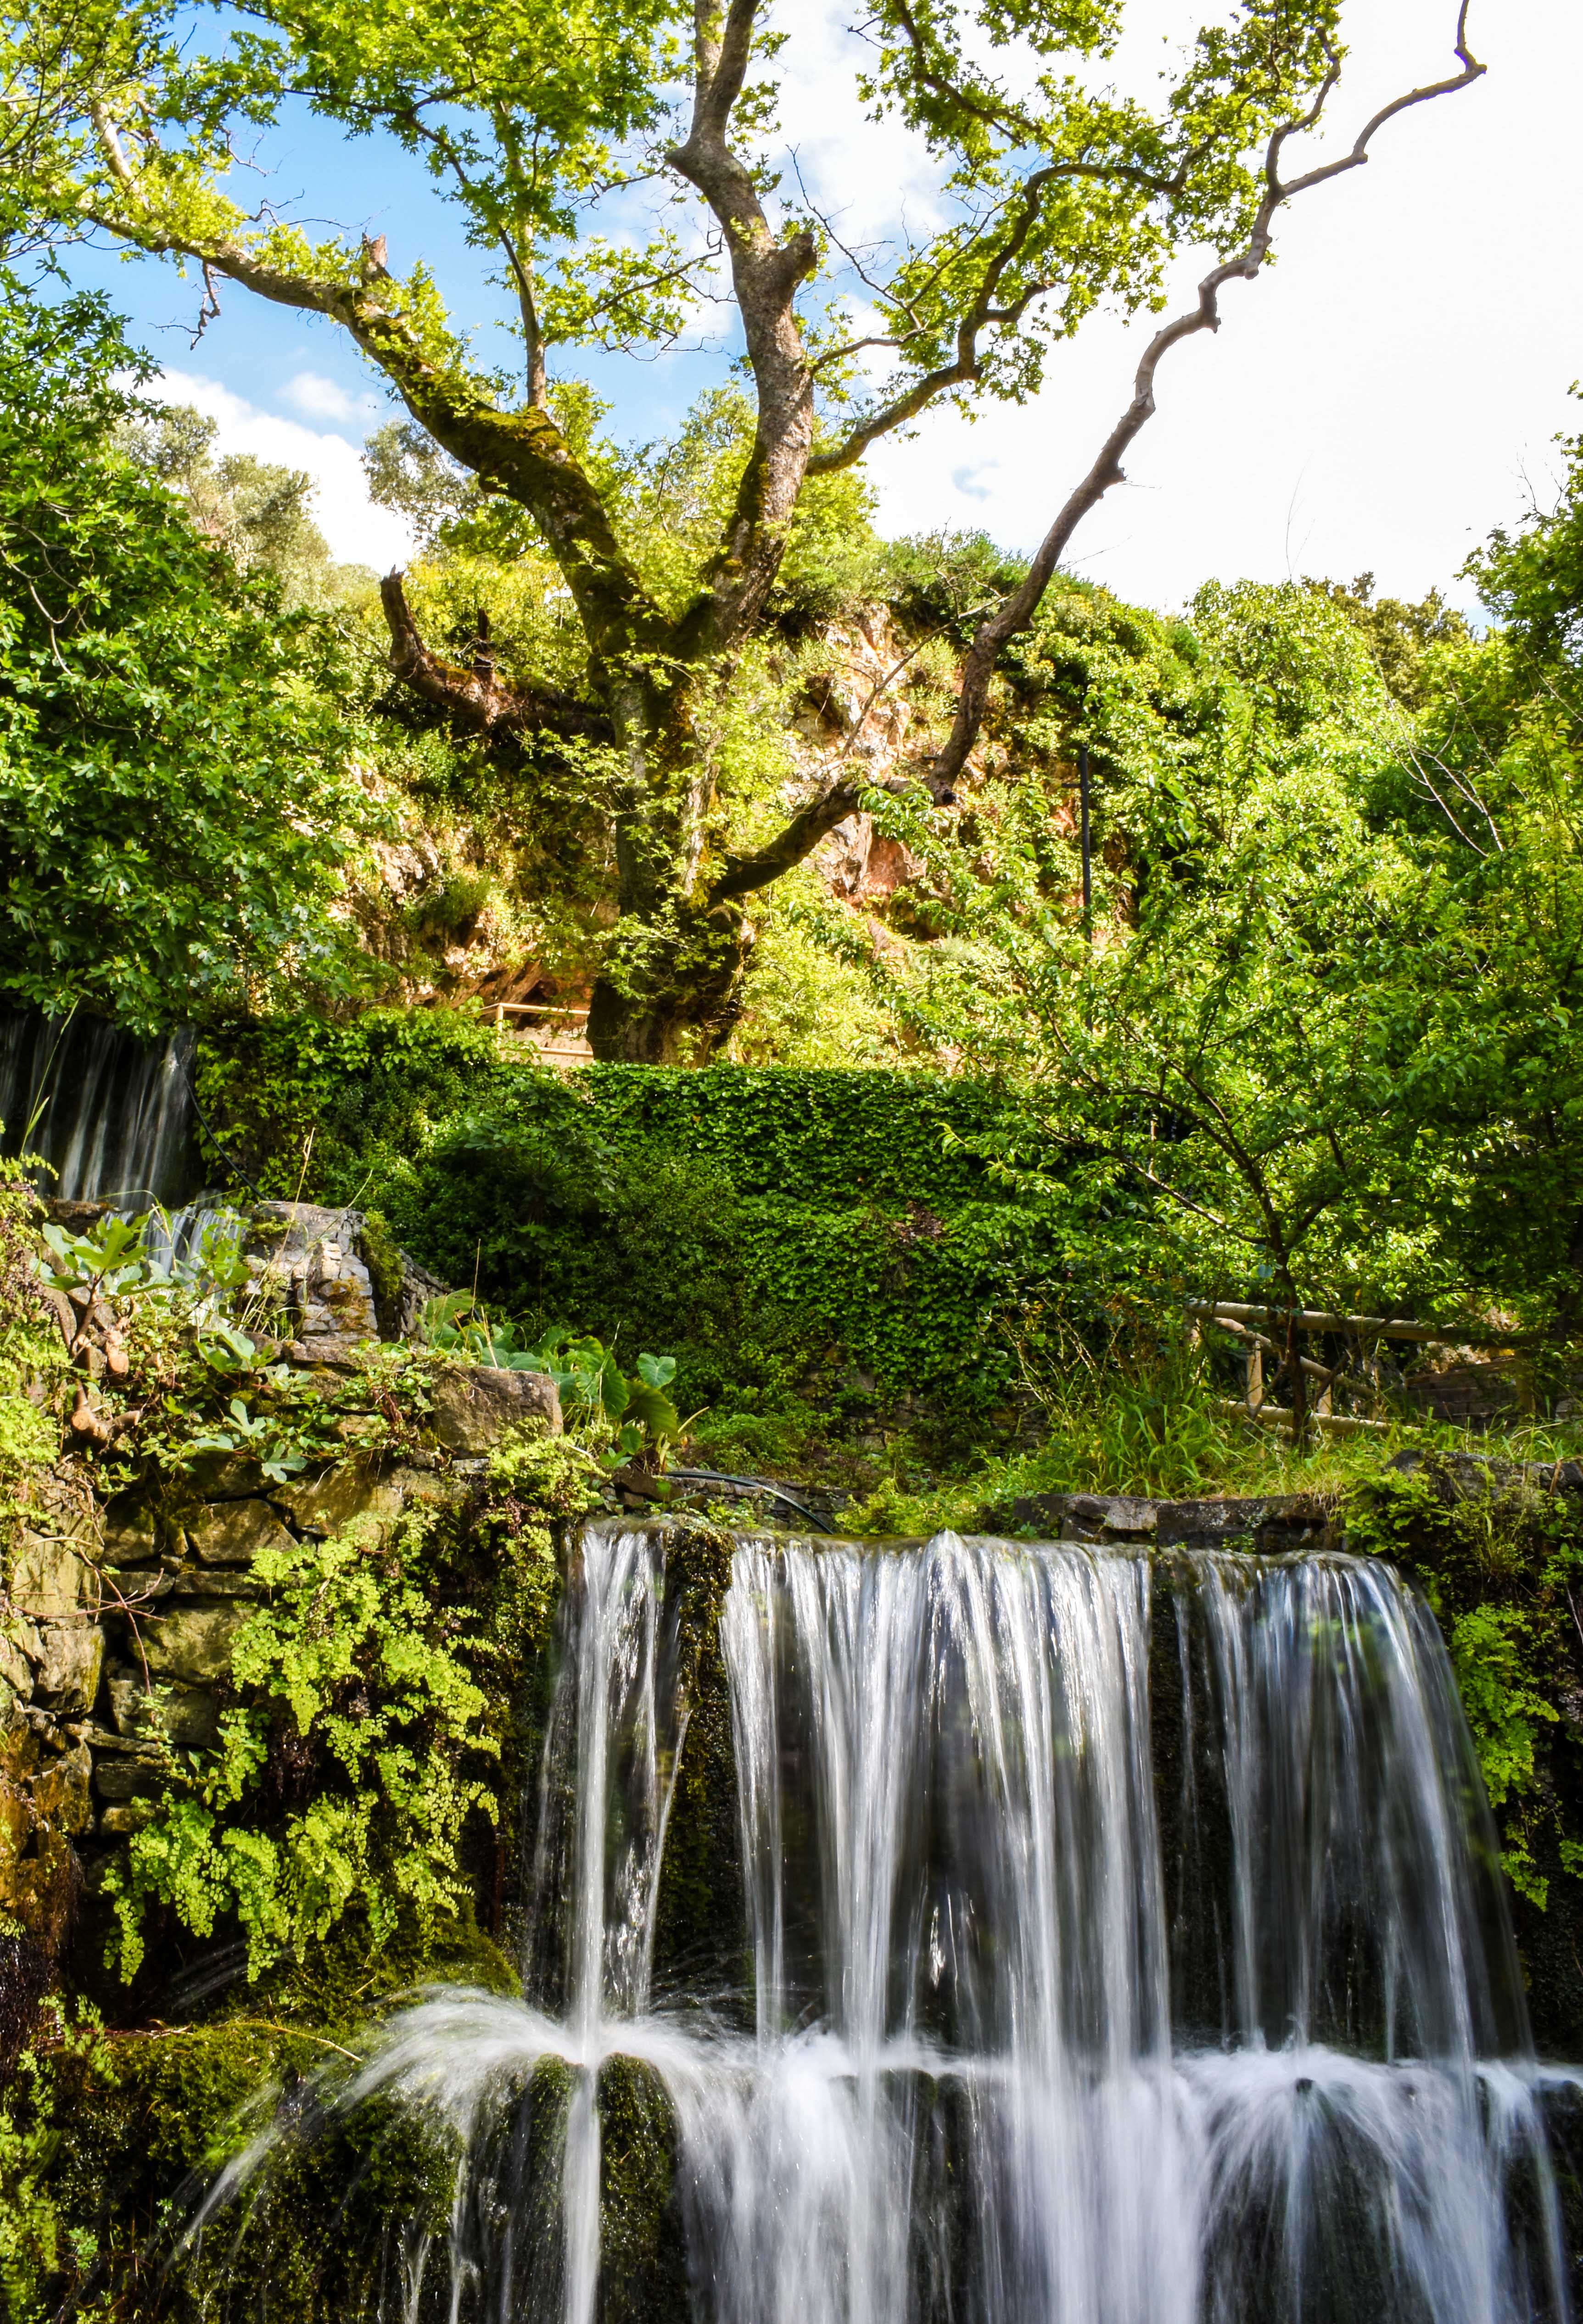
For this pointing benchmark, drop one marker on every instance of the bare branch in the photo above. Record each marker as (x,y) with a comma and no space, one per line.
(1019,608)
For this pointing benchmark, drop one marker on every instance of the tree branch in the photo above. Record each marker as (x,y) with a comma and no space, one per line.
(1019,608)
(969,365)
(798,837)
(476,698)
(521,453)
(766,274)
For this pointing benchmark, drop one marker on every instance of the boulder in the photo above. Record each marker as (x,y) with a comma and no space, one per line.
(328,1503)
(1076,1517)
(474,1405)
(1278,1524)
(234,1531)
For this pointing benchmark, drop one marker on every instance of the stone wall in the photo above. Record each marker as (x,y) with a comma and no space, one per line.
(119,1613)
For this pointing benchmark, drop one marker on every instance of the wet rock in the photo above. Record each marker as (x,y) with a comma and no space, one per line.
(61,1791)
(474,1405)
(1075,1516)
(234,1531)
(1278,1524)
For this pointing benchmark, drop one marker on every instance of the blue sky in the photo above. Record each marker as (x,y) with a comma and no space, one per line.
(1381,399)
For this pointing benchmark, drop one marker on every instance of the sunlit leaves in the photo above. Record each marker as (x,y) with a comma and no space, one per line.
(175,791)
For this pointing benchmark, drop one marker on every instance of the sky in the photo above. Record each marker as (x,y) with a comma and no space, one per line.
(1378,400)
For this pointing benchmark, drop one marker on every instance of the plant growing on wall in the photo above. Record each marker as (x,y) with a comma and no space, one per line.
(542,120)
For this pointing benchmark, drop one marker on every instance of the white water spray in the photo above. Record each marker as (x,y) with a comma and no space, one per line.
(1127,1947)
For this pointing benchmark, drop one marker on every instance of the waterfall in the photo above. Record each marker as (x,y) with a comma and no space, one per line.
(110,1117)
(1127,1945)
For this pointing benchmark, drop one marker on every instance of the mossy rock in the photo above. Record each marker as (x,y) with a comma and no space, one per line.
(642,2259)
(700,1931)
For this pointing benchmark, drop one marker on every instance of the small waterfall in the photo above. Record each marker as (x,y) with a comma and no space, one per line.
(111,1116)
(1128,1948)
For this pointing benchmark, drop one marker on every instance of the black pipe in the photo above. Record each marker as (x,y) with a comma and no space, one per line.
(752,1485)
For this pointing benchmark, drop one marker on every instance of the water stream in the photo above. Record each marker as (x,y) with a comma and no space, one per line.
(109,1117)
(1127,1947)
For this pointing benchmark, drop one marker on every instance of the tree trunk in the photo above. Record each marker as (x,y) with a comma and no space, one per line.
(676,998)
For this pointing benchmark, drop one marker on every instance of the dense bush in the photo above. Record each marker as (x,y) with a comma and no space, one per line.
(176,790)
(824,1233)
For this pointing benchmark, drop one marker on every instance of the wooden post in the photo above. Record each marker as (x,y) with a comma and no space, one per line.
(1298,1382)
(1255,1379)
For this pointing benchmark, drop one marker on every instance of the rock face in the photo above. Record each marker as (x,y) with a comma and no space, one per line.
(1276,1525)
(233,1533)
(475,1403)
(307,1256)
(119,1620)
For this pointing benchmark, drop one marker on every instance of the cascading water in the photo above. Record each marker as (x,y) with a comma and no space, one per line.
(1127,1947)
(110,1116)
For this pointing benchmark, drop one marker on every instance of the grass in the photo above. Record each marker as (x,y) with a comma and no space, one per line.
(1159,1429)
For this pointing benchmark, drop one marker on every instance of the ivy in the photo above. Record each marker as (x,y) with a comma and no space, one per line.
(784,1232)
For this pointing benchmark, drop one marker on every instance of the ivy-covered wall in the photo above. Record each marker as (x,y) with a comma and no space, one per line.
(834,1235)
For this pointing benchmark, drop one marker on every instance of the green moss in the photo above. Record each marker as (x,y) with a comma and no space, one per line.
(700,1911)
(1498,1554)
(381,1254)
(643,2264)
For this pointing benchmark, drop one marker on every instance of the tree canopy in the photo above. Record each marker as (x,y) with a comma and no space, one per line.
(177,794)
(617,162)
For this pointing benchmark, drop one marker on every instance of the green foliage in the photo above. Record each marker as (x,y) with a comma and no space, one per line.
(176,795)
(643,585)
(627,1409)
(196,1382)
(359,1682)
(1499,1558)
(1402,637)
(40,2245)
(31,1353)
(256,509)
(772,1229)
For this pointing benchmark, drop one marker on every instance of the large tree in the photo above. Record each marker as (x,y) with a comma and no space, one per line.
(545,121)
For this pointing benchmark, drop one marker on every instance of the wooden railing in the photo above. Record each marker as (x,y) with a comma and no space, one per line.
(558,1036)
(1240,1319)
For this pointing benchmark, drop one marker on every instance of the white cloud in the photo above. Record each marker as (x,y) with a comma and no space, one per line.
(358,532)
(321,399)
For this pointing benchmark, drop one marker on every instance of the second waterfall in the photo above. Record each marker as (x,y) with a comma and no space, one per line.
(1124,1943)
